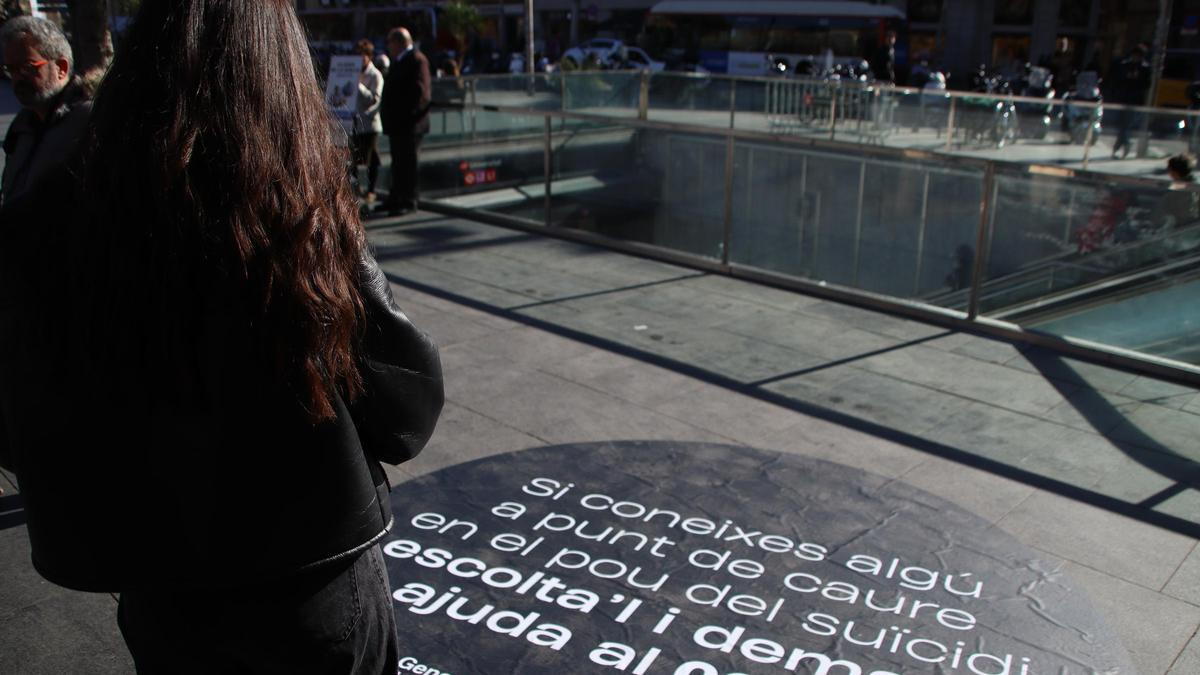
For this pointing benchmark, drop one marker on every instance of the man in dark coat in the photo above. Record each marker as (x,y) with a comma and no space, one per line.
(1128,85)
(54,105)
(405,116)
(884,64)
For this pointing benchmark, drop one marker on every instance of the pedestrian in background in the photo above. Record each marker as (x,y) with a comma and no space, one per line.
(367,126)
(405,117)
(202,367)
(54,103)
(1129,82)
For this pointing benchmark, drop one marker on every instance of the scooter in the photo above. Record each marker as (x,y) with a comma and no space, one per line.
(1035,119)
(1077,119)
(989,117)
(935,102)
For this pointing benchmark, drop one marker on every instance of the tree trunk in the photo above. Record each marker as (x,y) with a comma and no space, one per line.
(92,40)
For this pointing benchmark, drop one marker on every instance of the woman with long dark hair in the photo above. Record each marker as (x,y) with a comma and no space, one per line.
(202,367)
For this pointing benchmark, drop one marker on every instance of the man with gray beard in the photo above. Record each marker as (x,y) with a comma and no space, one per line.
(55,107)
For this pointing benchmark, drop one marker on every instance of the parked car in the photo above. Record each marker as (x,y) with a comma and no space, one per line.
(612,54)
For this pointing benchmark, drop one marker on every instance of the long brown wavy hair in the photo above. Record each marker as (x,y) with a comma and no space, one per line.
(213,156)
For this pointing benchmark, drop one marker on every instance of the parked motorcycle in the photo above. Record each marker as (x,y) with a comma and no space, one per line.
(1035,119)
(1077,119)
(935,102)
(991,117)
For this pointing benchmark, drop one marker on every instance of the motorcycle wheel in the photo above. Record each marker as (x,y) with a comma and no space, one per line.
(1004,132)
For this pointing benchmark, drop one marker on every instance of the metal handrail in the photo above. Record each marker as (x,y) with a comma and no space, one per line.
(853,84)
(991,171)
(1004,167)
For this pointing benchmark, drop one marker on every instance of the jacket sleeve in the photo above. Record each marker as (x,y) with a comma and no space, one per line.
(424,87)
(402,376)
(370,98)
(5,461)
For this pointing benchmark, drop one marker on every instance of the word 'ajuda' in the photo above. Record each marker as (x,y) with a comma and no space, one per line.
(424,599)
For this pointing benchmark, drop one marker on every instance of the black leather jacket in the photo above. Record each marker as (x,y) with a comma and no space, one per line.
(125,489)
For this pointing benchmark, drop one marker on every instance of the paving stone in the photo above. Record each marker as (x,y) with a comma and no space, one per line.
(1153,426)
(463,435)
(1188,661)
(986,495)
(1124,548)
(559,411)
(527,346)
(421,272)
(1153,627)
(872,397)
(874,321)
(977,347)
(828,340)
(1089,409)
(68,633)
(605,268)
(1079,458)
(1144,474)
(987,382)
(1184,584)
(406,296)
(1073,371)
(1185,505)
(643,384)
(535,283)
(7,483)
(1017,439)
(1180,402)
(721,411)
(447,329)
(1193,406)
(815,437)
(591,365)
(679,300)
(1152,391)
(739,358)
(20,585)
(766,296)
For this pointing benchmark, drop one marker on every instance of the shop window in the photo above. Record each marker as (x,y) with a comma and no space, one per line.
(1014,12)
(1074,13)
(924,11)
(1009,53)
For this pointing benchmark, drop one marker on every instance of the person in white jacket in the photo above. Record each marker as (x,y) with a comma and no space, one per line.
(367,126)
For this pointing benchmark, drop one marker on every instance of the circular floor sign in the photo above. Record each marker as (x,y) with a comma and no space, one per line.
(659,558)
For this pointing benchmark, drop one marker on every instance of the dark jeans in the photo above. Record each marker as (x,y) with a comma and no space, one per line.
(1126,121)
(366,151)
(333,621)
(404,149)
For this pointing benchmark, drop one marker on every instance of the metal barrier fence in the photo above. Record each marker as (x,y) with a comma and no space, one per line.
(1051,131)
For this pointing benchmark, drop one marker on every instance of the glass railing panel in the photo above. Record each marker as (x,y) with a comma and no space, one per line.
(750,104)
(614,94)
(1109,263)
(501,171)
(691,99)
(870,224)
(540,91)
(1026,130)
(1140,140)
(799,107)
(641,185)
